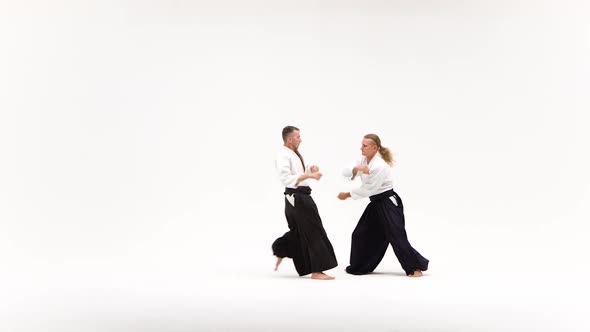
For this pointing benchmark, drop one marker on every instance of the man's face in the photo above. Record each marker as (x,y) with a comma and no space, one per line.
(368,148)
(294,140)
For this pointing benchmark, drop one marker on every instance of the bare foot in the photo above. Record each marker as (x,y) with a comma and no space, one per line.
(279,260)
(321,276)
(416,274)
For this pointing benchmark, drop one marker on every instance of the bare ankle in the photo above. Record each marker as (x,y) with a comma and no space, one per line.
(279,260)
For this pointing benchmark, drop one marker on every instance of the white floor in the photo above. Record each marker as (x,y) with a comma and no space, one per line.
(476,289)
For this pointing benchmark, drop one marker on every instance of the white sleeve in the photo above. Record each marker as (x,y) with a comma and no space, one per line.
(347,171)
(371,183)
(283,167)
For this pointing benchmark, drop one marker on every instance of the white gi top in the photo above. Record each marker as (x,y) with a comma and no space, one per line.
(377,181)
(289,168)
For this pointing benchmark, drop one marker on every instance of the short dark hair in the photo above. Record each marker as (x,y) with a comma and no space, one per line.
(288,130)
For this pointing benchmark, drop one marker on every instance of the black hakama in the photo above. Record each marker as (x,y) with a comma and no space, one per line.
(306,242)
(382,224)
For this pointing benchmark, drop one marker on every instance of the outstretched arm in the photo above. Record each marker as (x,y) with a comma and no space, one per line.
(355,170)
(370,183)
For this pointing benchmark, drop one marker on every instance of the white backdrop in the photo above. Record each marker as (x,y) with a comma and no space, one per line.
(137,179)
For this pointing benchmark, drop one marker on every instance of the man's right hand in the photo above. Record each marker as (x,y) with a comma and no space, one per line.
(303,177)
(343,195)
(316,175)
(362,169)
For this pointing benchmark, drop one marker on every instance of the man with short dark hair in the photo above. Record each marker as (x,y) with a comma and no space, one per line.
(306,242)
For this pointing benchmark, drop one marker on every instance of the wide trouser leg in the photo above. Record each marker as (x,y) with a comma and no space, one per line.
(286,245)
(306,242)
(368,244)
(393,223)
(317,251)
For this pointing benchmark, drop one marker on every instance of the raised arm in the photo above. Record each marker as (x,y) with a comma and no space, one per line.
(283,166)
(351,170)
(373,181)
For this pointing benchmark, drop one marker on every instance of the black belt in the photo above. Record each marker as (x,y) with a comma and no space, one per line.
(299,190)
(383,195)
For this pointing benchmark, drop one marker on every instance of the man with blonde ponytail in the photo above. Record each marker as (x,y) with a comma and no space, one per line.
(306,241)
(383,221)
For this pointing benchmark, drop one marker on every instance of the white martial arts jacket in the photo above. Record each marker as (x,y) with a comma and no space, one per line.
(377,181)
(289,168)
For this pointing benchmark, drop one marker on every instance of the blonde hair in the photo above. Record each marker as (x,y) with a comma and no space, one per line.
(383,151)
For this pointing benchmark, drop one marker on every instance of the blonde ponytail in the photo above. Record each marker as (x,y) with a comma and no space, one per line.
(386,155)
(384,152)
